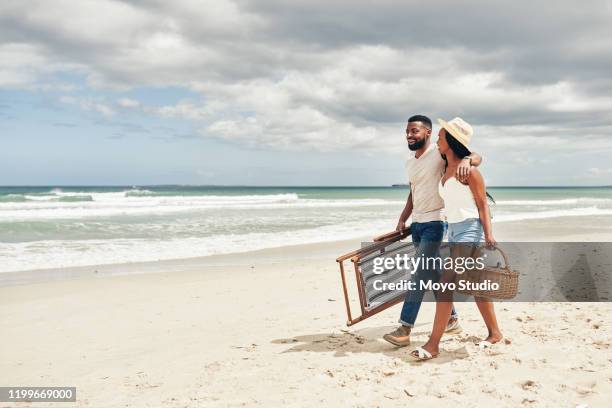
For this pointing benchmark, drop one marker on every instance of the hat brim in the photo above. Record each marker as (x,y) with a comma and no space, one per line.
(449,129)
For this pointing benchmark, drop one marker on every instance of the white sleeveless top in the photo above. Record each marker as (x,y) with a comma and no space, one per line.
(459,204)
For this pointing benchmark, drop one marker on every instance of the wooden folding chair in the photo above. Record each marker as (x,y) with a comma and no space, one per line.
(373,301)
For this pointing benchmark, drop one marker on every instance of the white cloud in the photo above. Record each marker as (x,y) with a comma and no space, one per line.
(89,105)
(105,110)
(128,103)
(21,64)
(596,171)
(303,128)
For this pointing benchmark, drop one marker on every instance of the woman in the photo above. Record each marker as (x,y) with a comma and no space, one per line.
(469,221)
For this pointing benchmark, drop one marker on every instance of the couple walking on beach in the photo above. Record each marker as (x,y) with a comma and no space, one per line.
(447,194)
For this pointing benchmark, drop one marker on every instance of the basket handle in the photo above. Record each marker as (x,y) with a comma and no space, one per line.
(503,255)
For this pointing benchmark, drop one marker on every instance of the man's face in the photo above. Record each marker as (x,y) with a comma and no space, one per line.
(416,135)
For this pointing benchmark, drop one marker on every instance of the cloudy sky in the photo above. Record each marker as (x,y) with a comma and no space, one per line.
(299,92)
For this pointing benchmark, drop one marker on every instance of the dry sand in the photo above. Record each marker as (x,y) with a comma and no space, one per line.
(259,330)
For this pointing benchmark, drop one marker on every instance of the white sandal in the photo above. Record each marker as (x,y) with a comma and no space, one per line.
(487,344)
(484,344)
(422,354)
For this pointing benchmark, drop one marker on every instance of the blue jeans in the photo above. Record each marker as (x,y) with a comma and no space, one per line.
(426,237)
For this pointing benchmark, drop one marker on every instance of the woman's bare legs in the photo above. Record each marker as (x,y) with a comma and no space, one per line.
(487,311)
(443,311)
(444,306)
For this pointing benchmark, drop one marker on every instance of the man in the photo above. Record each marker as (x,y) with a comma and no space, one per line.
(424,171)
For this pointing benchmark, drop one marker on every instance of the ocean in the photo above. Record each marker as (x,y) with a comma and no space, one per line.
(53,227)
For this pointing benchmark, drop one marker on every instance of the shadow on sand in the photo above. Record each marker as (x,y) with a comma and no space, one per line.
(369,340)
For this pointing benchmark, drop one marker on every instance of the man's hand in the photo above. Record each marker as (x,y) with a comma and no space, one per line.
(463,170)
(401,226)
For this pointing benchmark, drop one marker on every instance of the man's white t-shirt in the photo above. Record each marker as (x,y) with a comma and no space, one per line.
(424,174)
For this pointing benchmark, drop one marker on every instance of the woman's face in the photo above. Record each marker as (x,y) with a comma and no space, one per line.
(442,143)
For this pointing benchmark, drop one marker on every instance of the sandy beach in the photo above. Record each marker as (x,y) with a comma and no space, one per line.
(180,181)
(268,328)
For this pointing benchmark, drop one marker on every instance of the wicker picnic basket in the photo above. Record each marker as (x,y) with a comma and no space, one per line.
(507,279)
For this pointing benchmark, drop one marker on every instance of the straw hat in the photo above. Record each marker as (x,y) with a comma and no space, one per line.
(459,129)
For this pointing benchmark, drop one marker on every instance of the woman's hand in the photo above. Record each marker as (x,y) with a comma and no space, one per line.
(490,242)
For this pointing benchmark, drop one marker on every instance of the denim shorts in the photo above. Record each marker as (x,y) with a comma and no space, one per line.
(466,231)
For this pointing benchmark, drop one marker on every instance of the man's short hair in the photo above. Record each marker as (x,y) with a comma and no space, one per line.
(421,118)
